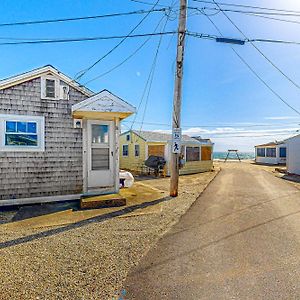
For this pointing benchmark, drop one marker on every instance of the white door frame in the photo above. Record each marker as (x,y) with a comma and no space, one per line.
(87,146)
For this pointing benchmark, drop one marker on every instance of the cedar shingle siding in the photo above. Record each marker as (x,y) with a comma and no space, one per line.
(56,171)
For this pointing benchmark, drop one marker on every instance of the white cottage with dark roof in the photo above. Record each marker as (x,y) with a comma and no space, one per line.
(58,140)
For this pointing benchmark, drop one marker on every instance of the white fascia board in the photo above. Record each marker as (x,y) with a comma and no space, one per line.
(80,106)
(6,83)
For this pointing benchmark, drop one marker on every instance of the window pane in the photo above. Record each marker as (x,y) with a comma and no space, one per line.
(21,140)
(99,134)
(31,127)
(282,152)
(192,153)
(11,126)
(137,150)
(271,152)
(50,88)
(261,152)
(125,150)
(100,159)
(21,127)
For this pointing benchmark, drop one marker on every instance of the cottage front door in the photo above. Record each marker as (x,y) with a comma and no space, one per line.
(100,154)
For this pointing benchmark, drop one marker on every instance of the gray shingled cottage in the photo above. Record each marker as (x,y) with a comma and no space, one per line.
(57,138)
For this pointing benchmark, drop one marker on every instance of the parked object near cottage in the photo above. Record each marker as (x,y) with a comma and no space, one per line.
(137,146)
(126,178)
(273,153)
(293,154)
(157,163)
(58,139)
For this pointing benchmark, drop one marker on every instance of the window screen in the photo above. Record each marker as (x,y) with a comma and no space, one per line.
(136,150)
(192,153)
(261,152)
(50,88)
(125,150)
(271,152)
(282,151)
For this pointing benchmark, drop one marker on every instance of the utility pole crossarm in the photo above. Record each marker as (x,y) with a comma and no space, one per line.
(176,120)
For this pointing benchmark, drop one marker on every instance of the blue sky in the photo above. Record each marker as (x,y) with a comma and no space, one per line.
(219,91)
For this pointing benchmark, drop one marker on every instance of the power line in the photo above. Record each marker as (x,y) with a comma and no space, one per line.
(148,83)
(85,39)
(260,51)
(249,12)
(127,58)
(218,125)
(83,72)
(249,6)
(81,18)
(255,73)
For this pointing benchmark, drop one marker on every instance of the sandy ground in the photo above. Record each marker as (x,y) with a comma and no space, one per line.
(88,256)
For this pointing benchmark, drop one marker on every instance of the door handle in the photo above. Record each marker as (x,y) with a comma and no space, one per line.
(112,153)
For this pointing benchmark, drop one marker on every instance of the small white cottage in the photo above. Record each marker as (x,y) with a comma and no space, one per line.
(58,140)
(273,153)
(293,155)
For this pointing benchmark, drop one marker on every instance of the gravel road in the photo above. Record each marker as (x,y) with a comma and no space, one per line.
(88,259)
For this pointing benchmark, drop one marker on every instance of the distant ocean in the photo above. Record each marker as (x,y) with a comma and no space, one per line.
(242,155)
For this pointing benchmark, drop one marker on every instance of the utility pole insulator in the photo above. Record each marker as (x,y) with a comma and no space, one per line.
(176,123)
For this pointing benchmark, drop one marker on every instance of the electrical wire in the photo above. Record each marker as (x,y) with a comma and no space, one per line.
(148,84)
(260,51)
(80,18)
(255,73)
(249,6)
(218,126)
(249,12)
(126,59)
(83,72)
(150,77)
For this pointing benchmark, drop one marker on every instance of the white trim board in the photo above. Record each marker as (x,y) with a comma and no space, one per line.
(18,79)
(35,200)
(124,106)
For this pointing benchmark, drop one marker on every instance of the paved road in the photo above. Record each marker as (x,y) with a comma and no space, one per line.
(240,240)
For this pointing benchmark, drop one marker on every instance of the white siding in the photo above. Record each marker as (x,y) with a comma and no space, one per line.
(293,155)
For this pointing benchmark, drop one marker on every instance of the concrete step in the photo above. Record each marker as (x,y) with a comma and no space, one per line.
(109,200)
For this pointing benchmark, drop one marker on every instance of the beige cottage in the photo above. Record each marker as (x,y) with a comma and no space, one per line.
(137,146)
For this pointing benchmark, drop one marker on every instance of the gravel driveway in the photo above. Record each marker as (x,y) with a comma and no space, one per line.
(89,259)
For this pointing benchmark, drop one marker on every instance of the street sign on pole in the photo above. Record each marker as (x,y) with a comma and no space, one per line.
(176,140)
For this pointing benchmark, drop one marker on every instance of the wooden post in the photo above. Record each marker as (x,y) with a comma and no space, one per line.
(176,123)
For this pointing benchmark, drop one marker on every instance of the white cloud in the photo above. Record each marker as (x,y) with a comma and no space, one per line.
(240,138)
(138,73)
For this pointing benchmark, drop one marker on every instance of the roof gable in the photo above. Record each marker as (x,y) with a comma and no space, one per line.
(104,101)
(36,73)
(155,136)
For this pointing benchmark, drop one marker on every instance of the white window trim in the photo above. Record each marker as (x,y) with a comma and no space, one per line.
(139,150)
(40,120)
(43,87)
(127,150)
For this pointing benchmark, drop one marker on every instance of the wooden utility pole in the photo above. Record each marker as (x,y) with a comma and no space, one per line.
(176,123)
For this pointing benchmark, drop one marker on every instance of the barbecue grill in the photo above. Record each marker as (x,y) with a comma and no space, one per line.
(156,163)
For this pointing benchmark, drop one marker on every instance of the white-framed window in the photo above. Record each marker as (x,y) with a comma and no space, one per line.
(270,152)
(125,151)
(192,153)
(127,137)
(50,87)
(136,150)
(22,133)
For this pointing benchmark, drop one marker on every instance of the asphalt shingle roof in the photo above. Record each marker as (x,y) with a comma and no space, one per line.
(155,136)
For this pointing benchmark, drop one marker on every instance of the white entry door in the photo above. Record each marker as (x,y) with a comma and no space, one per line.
(100,154)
